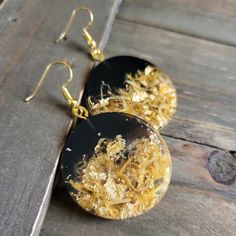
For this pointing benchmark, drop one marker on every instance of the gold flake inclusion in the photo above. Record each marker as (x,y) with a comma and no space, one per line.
(123,180)
(149,95)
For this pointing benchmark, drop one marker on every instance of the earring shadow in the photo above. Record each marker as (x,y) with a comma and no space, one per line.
(73,45)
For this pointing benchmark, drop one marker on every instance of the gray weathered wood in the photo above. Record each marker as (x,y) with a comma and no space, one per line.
(212,20)
(32,134)
(203,73)
(201,199)
(194,204)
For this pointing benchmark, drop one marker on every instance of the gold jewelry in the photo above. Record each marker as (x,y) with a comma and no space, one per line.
(126,84)
(96,54)
(114,164)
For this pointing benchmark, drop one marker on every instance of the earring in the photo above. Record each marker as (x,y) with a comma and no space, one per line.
(114,164)
(95,52)
(76,110)
(126,84)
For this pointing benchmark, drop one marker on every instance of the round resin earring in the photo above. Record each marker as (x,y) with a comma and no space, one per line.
(114,164)
(126,84)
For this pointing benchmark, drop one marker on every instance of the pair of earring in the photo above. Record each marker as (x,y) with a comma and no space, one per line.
(126,84)
(114,162)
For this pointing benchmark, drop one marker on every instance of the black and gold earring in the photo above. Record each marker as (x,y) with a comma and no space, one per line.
(126,84)
(115,165)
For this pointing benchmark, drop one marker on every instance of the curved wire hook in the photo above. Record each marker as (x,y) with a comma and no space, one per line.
(43,77)
(95,52)
(77,110)
(63,35)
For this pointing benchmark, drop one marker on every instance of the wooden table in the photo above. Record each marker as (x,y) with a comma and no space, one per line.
(192,41)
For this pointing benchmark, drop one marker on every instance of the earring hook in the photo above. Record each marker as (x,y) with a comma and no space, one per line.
(96,53)
(63,35)
(77,110)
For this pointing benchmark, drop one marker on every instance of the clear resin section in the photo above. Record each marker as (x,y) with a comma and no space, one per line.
(148,94)
(123,178)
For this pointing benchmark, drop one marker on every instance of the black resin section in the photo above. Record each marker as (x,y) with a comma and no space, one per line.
(83,139)
(113,72)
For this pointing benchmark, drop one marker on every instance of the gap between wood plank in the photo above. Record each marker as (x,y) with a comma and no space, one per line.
(45,203)
(195,142)
(177,32)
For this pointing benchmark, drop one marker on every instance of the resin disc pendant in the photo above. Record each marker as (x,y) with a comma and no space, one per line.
(134,86)
(115,165)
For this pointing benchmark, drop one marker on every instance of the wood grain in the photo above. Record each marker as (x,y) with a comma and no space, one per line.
(32,134)
(201,199)
(194,204)
(214,21)
(203,73)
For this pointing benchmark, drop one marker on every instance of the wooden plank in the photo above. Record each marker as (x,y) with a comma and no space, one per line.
(202,196)
(205,19)
(32,134)
(203,73)
(195,204)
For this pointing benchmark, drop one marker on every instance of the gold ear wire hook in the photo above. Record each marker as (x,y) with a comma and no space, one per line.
(77,110)
(96,53)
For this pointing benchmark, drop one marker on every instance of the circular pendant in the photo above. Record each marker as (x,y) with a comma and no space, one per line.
(115,165)
(131,85)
